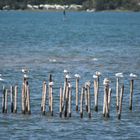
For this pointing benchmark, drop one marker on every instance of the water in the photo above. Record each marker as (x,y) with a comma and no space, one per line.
(83,43)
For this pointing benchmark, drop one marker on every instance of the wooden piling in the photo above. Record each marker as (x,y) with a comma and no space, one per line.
(131,93)
(64,92)
(121,99)
(89,100)
(23,96)
(60,103)
(70,93)
(51,97)
(81,102)
(12,96)
(86,98)
(50,80)
(44,98)
(3,99)
(6,101)
(77,92)
(105,103)
(66,104)
(109,99)
(28,99)
(117,94)
(15,98)
(96,95)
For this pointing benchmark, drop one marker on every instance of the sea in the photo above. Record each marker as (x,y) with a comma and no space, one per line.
(81,43)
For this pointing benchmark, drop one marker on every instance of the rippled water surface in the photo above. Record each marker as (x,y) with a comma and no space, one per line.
(83,43)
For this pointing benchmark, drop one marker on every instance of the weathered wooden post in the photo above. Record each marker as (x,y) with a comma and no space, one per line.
(3,99)
(6,101)
(132,77)
(64,89)
(70,94)
(105,103)
(51,97)
(81,102)
(50,80)
(86,97)
(60,106)
(109,99)
(96,89)
(66,104)
(89,100)
(15,98)
(23,96)
(77,89)
(11,95)
(44,98)
(118,75)
(67,94)
(28,98)
(121,99)
(24,90)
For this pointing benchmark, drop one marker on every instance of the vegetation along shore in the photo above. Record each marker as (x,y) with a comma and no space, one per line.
(74,5)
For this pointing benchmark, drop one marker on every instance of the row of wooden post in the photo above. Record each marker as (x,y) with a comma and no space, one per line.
(13,97)
(65,106)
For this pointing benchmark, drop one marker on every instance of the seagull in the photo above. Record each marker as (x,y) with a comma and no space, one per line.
(25,70)
(77,75)
(67,76)
(119,75)
(65,71)
(51,84)
(106,81)
(98,73)
(133,75)
(26,76)
(95,76)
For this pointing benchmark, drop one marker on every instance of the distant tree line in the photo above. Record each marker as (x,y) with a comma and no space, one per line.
(98,5)
(113,4)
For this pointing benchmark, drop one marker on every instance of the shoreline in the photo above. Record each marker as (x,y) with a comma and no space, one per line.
(60,8)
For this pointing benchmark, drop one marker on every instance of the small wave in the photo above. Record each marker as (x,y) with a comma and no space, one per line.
(52,60)
(94,59)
